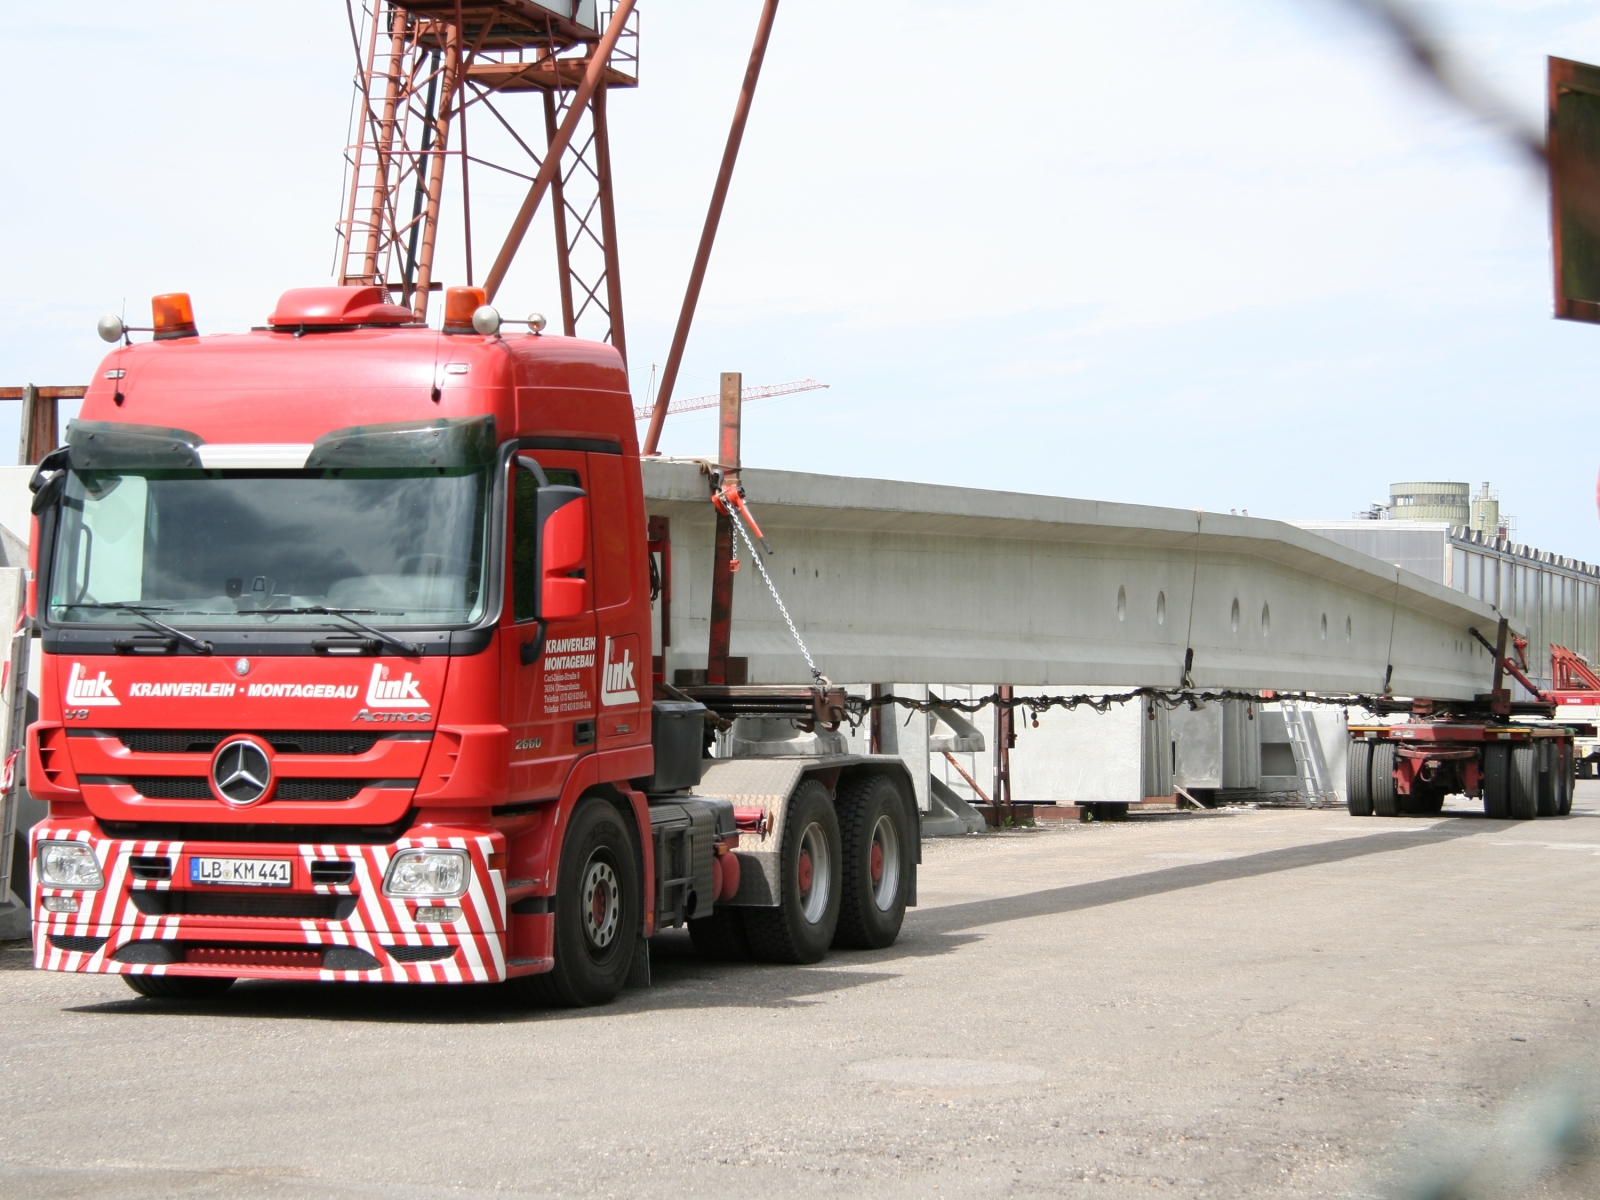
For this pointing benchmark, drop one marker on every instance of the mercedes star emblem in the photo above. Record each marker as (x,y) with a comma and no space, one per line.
(241,772)
(241,667)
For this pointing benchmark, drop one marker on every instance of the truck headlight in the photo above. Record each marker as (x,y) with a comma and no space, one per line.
(427,873)
(69,865)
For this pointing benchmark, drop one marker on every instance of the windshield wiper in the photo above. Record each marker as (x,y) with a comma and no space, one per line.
(344,614)
(143,611)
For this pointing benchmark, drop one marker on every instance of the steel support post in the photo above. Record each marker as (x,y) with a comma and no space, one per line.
(722,563)
(39,426)
(558,210)
(608,221)
(708,235)
(1005,738)
(441,142)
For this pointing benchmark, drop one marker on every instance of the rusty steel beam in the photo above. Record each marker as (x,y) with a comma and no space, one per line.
(722,563)
(552,160)
(558,209)
(441,141)
(708,235)
(44,393)
(608,221)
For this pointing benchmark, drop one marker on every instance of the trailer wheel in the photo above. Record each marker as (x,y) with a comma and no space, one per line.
(1549,779)
(1358,779)
(720,937)
(1496,780)
(597,912)
(1385,797)
(877,850)
(801,928)
(1569,782)
(178,987)
(1523,804)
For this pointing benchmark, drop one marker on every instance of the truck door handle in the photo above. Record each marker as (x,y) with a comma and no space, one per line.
(534,647)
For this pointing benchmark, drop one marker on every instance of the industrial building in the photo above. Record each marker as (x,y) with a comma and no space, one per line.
(1442,532)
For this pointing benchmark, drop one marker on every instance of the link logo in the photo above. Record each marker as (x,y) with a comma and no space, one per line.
(89,692)
(617,685)
(383,692)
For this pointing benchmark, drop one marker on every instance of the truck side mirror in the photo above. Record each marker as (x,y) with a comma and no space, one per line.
(563,540)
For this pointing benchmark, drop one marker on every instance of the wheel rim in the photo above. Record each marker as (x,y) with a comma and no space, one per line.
(814,873)
(885,864)
(602,905)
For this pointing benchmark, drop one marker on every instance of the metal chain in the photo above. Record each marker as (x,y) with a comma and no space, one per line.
(771,587)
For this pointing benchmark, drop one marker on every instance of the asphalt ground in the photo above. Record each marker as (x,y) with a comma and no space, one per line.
(1265,1002)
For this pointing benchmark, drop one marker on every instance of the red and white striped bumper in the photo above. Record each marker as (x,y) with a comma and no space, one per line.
(135,920)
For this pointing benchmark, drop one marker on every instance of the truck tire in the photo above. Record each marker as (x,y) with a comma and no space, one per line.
(1523,803)
(721,936)
(1385,798)
(1358,779)
(1496,780)
(1549,779)
(878,851)
(1568,777)
(178,987)
(801,928)
(597,913)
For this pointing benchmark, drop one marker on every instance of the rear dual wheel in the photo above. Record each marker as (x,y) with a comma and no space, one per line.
(1358,779)
(1522,802)
(810,882)
(879,852)
(1385,795)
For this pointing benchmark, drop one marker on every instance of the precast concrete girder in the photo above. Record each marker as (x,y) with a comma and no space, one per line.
(907,581)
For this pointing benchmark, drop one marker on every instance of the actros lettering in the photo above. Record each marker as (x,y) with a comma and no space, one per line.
(368,715)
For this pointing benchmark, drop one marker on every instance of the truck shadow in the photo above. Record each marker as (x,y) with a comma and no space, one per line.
(681,979)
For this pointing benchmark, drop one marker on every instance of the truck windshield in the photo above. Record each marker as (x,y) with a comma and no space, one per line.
(230,548)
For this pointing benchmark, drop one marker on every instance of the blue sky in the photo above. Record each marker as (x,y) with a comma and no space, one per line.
(1221,254)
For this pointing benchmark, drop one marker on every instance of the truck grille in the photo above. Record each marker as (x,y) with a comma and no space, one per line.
(198,787)
(204,741)
(229,904)
(172,787)
(419,953)
(333,873)
(83,945)
(150,866)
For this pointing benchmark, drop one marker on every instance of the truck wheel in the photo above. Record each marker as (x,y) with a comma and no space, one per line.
(801,928)
(597,912)
(1496,780)
(1523,804)
(1358,779)
(721,936)
(178,987)
(1568,777)
(1385,798)
(1549,780)
(877,851)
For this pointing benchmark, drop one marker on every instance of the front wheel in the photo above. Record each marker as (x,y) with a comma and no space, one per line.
(179,987)
(597,914)
(801,928)
(878,853)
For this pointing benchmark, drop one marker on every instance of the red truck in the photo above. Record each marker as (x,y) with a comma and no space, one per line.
(347,641)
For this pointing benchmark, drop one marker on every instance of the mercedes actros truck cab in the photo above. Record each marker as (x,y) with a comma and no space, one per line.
(347,639)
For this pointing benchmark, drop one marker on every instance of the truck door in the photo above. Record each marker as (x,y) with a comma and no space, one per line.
(622,613)
(549,690)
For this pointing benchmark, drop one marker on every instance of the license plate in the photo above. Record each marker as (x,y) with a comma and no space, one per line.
(244,872)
